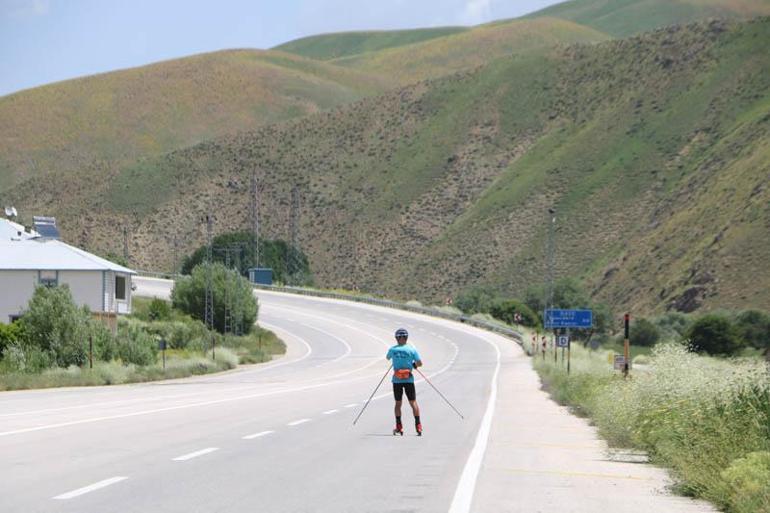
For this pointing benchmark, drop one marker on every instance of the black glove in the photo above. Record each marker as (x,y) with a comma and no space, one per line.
(414,365)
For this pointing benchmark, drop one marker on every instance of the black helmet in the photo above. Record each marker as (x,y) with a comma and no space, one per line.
(401,332)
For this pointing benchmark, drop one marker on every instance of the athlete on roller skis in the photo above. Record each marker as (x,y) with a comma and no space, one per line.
(404,358)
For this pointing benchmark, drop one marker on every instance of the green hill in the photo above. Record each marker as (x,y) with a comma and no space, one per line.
(456,52)
(342,44)
(653,150)
(622,18)
(123,115)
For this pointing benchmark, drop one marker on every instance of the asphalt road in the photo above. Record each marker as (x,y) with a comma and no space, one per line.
(278,437)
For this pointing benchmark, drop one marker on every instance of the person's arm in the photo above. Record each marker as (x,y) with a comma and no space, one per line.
(387,356)
(417,363)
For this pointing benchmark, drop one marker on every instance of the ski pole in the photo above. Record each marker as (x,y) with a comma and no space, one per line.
(370,397)
(439,393)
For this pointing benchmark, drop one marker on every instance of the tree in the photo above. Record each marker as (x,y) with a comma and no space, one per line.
(643,333)
(284,260)
(714,334)
(506,311)
(478,299)
(189,296)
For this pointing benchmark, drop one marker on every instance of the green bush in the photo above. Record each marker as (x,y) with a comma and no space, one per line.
(506,311)
(748,482)
(158,310)
(643,333)
(477,299)
(188,296)
(135,345)
(673,326)
(9,334)
(754,329)
(714,334)
(54,324)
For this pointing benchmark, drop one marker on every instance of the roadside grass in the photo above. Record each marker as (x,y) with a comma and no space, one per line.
(706,419)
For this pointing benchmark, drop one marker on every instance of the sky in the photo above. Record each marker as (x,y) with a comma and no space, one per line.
(44,41)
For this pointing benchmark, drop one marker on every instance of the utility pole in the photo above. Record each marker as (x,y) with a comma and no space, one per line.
(209,308)
(254,218)
(125,244)
(550,263)
(175,243)
(293,235)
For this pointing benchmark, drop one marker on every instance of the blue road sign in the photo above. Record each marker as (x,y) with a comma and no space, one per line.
(569,318)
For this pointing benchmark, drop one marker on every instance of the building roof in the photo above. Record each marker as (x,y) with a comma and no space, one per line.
(51,255)
(10,230)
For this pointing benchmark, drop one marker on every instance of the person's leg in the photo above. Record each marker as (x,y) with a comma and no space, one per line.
(411,395)
(415,409)
(398,394)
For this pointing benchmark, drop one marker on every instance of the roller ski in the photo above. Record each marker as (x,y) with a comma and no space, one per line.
(418,428)
(398,430)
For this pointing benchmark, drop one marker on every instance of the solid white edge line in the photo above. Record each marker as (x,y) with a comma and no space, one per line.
(257,435)
(195,454)
(90,488)
(298,422)
(461,503)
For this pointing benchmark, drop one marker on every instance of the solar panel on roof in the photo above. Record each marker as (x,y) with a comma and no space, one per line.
(46,227)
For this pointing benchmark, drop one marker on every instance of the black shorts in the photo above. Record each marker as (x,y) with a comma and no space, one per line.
(399,388)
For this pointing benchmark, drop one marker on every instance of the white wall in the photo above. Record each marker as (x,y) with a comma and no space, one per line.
(86,287)
(16,289)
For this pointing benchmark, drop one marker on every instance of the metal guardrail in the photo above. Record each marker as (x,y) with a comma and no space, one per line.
(508,332)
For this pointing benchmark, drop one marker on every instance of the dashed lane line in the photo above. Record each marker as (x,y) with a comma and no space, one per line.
(329,412)
(298,422)
(257,435)
(90,488)
(195,454)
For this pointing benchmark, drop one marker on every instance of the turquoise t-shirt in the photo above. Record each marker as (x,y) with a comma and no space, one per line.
(403,357)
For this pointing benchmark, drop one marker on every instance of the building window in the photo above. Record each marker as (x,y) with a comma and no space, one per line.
(120,287)
(48,278)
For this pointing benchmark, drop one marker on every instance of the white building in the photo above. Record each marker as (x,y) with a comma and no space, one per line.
(28,262)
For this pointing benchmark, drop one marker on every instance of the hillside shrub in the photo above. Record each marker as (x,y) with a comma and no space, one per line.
(506,311)
(643,333)
(188,295)
(714,334)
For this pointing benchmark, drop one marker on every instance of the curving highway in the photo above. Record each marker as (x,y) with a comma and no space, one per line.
(278,437)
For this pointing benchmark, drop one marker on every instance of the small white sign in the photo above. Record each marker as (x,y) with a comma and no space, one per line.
(562,341)
(619,362)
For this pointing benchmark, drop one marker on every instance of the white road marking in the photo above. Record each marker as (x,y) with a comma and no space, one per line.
(257,435)
(298,422)
(195,454)
(353,405)
(329,412)
(91,488)
(461,503)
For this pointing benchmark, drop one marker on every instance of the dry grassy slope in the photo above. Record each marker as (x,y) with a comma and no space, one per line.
(623,18)
(468,49)
(653,150)
(120,116)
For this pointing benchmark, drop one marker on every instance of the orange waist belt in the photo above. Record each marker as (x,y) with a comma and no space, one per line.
(402,373)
